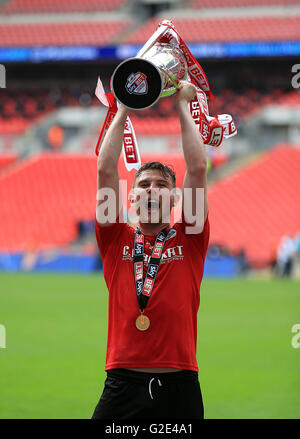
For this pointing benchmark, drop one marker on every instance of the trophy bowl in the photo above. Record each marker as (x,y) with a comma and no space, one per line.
(139,82)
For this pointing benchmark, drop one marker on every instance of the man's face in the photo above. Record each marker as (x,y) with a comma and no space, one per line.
(153,197)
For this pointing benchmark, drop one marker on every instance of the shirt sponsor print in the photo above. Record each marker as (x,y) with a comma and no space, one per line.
(170,254)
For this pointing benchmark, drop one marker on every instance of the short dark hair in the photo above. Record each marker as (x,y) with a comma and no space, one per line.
(164,169)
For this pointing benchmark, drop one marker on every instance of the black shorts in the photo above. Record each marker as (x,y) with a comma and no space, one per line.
(141,395)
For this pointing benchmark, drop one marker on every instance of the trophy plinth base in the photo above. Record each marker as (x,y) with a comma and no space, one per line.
(137,83)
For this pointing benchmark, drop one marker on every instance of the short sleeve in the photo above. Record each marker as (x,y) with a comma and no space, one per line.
(107,235)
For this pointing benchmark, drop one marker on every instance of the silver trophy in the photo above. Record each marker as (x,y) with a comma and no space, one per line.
(154,73)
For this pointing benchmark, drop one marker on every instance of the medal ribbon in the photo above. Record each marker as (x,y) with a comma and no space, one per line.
(144,288)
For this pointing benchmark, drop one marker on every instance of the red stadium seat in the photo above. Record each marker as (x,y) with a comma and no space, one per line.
(198,4)
(243,215)
(255,206)
(226,29)
(6,160)
(156,125)
(49,220)
(19,110)
(55,6)
(14,125)
(49,194)
(291,99)
(61,34)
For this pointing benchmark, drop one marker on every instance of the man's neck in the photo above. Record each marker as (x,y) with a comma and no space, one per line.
(152,229)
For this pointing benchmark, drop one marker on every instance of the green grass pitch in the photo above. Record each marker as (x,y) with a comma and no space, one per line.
(53,363)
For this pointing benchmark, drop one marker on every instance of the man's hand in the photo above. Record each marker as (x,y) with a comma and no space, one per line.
(186,93)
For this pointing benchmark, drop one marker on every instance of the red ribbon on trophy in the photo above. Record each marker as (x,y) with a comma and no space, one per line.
(212,129)
(130,147)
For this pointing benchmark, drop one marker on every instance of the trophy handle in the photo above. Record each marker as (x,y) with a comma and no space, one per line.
(137,83)
(175,81)
(152,40)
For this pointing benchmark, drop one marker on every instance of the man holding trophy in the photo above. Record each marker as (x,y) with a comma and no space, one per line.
(153,272)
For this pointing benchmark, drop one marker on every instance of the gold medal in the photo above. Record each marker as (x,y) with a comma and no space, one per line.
(142,322)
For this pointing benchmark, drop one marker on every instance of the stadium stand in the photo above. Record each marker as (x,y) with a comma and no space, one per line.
(14,125)
(67,6)
(291,99)
(6,160)
(269,187)
(239,3)
(18,110)
(52,193)
(62,34)
(225,29)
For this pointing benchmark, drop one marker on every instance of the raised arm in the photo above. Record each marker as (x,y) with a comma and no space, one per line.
(107,166)
(193,149)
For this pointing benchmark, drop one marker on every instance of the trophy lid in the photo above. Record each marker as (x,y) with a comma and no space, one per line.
(137,83)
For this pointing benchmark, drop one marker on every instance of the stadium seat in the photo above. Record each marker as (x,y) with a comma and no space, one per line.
(156,125)
(50,194)
(268,187)
(201,30)
(6,160)
(58,6)
(14,125)
(290,99)
(270,208)
(61,34)
(19,110)
(199,4)
(49,220)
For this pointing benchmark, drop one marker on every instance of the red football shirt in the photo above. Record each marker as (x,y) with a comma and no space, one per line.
(172,308)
